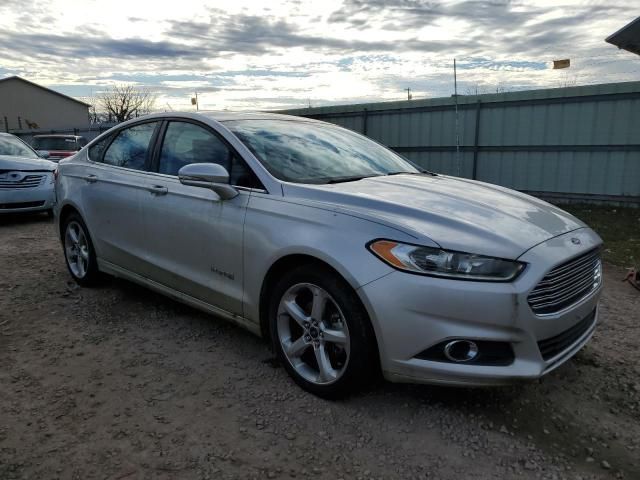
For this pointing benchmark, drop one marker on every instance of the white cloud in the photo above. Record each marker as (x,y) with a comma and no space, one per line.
(249,54)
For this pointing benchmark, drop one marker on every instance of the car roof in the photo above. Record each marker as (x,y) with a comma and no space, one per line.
(224,116)
(212,115)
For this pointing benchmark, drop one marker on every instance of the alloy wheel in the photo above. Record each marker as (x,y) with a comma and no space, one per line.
(76,248)
(313,333)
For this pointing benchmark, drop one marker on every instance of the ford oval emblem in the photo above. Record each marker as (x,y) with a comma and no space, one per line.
(576,241)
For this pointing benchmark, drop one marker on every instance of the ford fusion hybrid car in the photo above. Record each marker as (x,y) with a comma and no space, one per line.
(351,260)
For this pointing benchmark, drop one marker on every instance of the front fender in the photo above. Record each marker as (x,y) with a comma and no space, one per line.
(276,227)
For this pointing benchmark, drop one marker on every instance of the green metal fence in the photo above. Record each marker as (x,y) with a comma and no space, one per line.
(564,144)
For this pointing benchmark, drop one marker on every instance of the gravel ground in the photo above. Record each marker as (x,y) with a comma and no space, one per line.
(120,383)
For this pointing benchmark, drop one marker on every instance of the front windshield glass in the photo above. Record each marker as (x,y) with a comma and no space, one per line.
(306,152)
(15,148)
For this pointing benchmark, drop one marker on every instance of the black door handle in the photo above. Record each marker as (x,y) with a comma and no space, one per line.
(158,190)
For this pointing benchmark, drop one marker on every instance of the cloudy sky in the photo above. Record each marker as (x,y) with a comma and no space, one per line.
(244,54)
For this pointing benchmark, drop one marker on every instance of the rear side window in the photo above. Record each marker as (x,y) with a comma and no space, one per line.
(130,148)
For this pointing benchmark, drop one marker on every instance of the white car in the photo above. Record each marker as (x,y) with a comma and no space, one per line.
(26,180)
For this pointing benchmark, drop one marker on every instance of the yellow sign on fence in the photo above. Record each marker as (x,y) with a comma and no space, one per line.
(565,63)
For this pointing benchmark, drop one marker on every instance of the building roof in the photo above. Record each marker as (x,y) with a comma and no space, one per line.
(14,77)
(627,38)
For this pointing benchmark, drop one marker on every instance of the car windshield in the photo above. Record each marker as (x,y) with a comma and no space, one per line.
(15,147)
(55,143)
(307,152)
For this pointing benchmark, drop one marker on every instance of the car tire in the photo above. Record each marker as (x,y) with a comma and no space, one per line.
(315,319)
(79,254)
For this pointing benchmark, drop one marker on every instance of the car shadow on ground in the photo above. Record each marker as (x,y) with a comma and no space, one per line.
(530,412)
(13,219)
(458,398)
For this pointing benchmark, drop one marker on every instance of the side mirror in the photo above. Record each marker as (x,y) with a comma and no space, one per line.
(208,175)
(43,153)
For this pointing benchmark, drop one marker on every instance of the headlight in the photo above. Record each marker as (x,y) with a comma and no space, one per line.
(444,263)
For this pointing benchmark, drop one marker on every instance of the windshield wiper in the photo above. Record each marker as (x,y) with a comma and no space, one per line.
(355,178)
(420,172)
(352,178)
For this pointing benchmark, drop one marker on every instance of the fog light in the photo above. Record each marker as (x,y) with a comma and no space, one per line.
(470,352)
(461,351)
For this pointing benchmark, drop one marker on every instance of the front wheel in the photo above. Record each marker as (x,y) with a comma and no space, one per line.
(78,251)
(322,333)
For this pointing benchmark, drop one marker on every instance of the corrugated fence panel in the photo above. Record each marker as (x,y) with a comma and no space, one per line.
(564,172)
(576,143)
(443,162)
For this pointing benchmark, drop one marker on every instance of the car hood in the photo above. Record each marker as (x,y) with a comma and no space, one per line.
(457,214)
(8,162)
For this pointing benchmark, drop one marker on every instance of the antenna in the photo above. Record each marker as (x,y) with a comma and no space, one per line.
(455,95)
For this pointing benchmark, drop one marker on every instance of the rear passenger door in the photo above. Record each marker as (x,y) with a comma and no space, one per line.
(114,184)
(195,238)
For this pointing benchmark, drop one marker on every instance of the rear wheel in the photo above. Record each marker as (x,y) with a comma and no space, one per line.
(78,251)
(321,333)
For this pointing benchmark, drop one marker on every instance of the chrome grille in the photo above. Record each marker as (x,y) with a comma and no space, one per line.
(18,180)
(567,284)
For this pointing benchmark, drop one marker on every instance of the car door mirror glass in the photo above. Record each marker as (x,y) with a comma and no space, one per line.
(208,175)
(43,153)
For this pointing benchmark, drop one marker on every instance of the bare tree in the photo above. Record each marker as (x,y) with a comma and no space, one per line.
(123,102)
(474,90)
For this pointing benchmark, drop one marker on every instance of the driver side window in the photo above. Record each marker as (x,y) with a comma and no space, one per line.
(186,143)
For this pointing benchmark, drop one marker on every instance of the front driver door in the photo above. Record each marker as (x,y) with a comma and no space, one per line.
(195,238)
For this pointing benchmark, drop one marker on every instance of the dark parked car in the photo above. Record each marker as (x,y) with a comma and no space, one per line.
(59,146)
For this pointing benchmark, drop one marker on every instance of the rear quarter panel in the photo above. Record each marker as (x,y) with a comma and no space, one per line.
(68,190)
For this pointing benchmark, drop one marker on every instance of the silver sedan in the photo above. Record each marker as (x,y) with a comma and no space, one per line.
(26,179)
(351,260)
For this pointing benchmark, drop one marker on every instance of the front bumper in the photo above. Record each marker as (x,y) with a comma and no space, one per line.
(34,199)
(411,313)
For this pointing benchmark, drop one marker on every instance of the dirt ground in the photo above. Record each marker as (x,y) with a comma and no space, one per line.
(117,382)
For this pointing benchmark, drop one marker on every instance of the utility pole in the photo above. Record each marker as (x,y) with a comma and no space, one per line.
(409,96)
(455,95)
(194,101)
